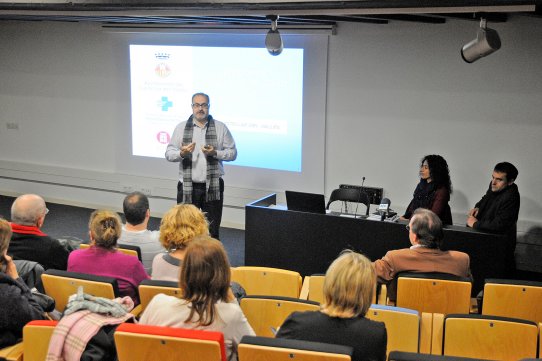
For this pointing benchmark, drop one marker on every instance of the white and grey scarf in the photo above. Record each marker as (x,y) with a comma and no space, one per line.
(213,171)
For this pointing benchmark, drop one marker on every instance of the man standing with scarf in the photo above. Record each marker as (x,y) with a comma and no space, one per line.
(201,144)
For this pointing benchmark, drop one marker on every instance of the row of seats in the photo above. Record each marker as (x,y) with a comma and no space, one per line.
(473,336)
(422,292)
(408,330)
(501,298)
(266,314)
(432,294)
(144,343)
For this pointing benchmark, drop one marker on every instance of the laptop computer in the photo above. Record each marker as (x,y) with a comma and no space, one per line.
(306,202)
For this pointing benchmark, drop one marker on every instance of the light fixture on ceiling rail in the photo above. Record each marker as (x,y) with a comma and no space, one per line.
(487,41)
(273,40)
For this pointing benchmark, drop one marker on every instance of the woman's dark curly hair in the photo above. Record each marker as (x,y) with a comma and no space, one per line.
(438,170)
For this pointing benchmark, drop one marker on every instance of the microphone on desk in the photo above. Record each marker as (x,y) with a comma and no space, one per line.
(359,197)
(384,208)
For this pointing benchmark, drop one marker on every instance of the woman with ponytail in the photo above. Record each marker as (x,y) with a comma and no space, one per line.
(103,258)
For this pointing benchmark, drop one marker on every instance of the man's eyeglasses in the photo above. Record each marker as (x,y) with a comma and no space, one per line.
(407,227)
(202,105)
(46,210)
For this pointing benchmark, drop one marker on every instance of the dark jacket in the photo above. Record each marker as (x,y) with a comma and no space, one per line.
(498,211)
(29,243)
(367,337)
(17,309)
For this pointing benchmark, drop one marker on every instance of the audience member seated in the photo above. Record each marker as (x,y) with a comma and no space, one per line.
(178,227)
(28,242)
(434,189)
(17,305)
(348,290)
(103,259)
(135,232)
(206,301)
(425,234)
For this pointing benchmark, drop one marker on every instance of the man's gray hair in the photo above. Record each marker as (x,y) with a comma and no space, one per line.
(202,94)
(27,209)
(428,227)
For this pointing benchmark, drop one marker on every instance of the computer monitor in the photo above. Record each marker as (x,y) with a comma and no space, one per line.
(306,202)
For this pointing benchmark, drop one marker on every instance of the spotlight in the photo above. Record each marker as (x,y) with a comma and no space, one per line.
(273,40)
(487,41)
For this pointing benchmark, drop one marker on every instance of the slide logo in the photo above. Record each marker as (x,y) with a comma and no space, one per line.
(165,104)
(163,137)
(162,70)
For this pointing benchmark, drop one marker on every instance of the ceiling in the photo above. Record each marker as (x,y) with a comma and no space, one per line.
(235,13)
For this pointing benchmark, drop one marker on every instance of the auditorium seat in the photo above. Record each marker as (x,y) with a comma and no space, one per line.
(150,288)
(408,330)
(433,293)
(267,313)
(313,288)
(62,284)
(488,337)
(12,353)
(36,337)
(253,348)
(135,342)
(128,249)
(267,281)
(511,298)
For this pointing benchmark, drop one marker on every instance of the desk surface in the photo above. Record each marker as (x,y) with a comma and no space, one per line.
(308,243)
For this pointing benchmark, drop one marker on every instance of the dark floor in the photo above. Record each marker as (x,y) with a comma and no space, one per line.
(69,221)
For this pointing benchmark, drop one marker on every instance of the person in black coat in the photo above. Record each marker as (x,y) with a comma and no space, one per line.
(17,305)
(498,210)
(348,291)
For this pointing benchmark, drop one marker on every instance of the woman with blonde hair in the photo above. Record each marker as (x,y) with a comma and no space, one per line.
(206,302)
(178,228)
(18,306)
(348,290)
(102,257)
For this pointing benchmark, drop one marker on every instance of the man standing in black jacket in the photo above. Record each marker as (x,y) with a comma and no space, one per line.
(28,242)
(497,211)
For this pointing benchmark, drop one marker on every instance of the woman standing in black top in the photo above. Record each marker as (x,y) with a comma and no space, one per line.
(433,191)
(348,291)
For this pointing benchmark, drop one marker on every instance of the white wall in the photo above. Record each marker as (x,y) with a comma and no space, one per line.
(395,93)
(398,92)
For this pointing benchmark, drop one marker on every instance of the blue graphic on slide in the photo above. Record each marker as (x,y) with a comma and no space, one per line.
(165,104)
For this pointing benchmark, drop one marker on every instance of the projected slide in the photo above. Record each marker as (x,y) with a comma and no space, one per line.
(258,96)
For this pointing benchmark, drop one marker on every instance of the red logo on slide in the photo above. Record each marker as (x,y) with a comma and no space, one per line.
(163,137)
(162,70)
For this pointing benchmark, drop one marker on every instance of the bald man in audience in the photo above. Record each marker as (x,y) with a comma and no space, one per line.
(425,234)
(28,242)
